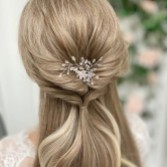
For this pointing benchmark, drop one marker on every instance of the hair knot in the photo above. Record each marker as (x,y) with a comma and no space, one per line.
(83,107)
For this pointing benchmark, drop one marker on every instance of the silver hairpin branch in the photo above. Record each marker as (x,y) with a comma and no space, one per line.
(84,69)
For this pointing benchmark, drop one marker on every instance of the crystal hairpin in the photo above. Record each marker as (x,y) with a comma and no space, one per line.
(84,70)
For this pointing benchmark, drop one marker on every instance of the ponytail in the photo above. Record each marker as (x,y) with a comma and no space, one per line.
(86,137)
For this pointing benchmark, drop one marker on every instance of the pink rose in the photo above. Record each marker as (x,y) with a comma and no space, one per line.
(149,6)
(149,58)
(129,37)
(135,103)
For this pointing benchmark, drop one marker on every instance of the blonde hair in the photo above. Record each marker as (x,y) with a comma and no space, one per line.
(50,32)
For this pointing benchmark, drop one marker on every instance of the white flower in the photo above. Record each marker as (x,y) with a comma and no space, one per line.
(84,70)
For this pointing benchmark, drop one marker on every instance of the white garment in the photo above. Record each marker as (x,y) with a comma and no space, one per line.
(18,151)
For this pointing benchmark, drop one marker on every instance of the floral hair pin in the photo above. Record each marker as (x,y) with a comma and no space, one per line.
(84,70)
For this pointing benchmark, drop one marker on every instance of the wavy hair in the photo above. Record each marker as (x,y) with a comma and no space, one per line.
(70,135)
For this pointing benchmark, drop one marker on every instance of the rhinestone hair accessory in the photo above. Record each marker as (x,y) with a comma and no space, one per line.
(84,70)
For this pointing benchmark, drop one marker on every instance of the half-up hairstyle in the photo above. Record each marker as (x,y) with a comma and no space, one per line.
(80,125)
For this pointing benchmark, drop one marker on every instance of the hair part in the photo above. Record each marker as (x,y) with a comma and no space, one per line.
(96,135)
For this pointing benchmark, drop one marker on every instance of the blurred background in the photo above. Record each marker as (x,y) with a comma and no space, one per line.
(143,90)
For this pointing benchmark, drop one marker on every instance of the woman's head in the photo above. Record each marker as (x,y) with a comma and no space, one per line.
(51,33)
(56,30)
